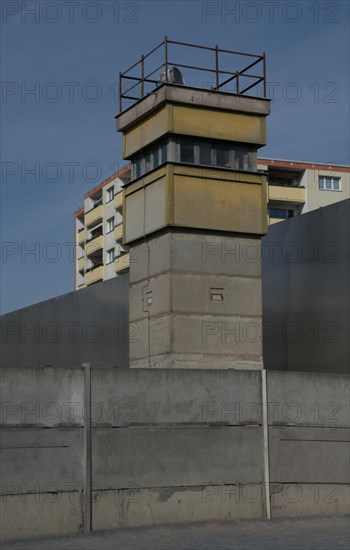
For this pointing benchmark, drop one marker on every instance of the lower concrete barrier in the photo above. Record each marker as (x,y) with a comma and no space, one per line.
(106,448)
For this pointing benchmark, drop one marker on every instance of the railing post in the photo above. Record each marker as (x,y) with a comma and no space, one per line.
(142,75)
(217,66)
(237,82)
(166,58)
(264,68)
(120,93)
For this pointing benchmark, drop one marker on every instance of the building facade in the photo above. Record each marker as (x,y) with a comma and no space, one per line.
(297,187)
(99,251)
(293,188)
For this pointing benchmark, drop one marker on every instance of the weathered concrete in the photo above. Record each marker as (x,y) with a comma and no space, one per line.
(180,397)
(179,324)
(205,341)
(309,455)
(171,445)
(42,396)
(196,253)
(41,514)
(170,93)
(136,507)
(184,293)
(309,499)
(32,459)
(308,399)
(176,456)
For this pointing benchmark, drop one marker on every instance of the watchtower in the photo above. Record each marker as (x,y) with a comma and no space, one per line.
(195,208)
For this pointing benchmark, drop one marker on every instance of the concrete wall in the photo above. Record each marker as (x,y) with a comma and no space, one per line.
(113,448)
(305,275)
(89,325)
(309,420)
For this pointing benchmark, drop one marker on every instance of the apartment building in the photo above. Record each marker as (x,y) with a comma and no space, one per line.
(100,253)
(297,187)
(293,189)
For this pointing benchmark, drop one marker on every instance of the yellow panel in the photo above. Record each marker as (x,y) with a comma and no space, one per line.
(94,275)
(81,236)
(81,264)
(122,262)
(94,244)
(118,232)
(94,215)
(155,206)
(288,194)
(219,205)
(275,220)
(146,180)
(136,224)
(146,131)
(208,173)
(118,200)
(209,123)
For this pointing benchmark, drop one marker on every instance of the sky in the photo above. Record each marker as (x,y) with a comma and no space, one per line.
(59,69)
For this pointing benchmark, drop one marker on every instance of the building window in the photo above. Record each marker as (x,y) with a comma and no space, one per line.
(110,194)
(281,213)
(110,256)
(329,183)
(110,225)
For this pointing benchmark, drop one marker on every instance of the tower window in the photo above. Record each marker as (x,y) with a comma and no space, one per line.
(206,153)
(187,152)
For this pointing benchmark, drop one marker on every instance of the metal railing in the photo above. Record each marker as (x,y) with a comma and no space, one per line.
(141,86)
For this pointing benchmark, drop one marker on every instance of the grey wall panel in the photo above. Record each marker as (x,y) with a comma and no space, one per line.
(88,325)
(308,399)
(161,457)
(42,396)
(306,273)
(41,460)
(309,455)
(166,396)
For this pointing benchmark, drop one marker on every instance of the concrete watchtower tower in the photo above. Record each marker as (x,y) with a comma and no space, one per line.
(194,212)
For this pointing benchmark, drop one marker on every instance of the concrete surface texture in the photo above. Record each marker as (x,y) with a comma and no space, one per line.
(194,308)
(168,446)
(283,534)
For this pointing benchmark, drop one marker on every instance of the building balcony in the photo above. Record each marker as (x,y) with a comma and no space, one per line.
(118,200)
(81,236)
(81,263)
(94,275)
(94,215)
(290,195)
(122,263)
(118,232)
(94,245)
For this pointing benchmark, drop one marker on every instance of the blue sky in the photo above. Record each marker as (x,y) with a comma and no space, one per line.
(60,141)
